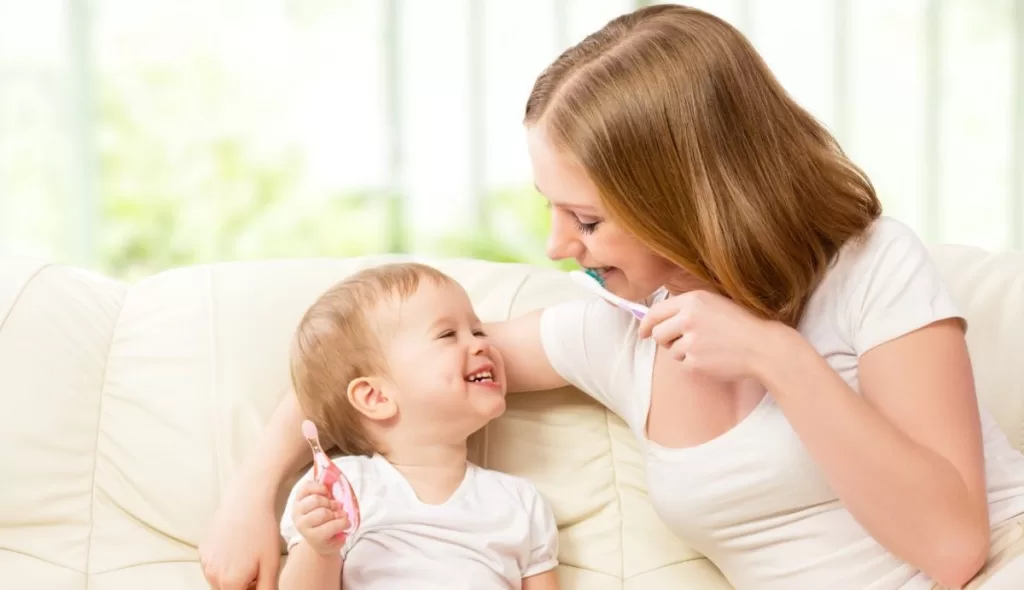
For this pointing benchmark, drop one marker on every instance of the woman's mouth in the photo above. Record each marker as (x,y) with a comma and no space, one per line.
(599,273)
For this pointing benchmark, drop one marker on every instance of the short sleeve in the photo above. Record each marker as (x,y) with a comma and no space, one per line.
(353,468)
(543,554)
(591,344)
(895,287)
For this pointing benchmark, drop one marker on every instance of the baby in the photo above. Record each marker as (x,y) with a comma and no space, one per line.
(393,367)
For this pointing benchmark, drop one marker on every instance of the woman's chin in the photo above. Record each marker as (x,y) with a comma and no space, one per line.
(617,283)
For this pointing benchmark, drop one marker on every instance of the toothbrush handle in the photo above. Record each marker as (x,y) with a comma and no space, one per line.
(338,486)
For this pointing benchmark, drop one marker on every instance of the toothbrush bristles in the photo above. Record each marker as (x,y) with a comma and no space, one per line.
(594,275)
(309,432)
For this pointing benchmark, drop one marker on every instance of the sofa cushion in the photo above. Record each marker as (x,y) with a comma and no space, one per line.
(128,409)
(147,409)
(56,326)
(989,288)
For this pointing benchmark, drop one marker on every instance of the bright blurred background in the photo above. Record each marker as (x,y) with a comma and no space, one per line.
(137,135)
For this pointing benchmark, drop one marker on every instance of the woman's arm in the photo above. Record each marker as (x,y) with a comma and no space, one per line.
(242,545)
(279,452)
(527,366)
(308,570)
(905,456)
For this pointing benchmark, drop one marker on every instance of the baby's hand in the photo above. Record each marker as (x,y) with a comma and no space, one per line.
(320,520)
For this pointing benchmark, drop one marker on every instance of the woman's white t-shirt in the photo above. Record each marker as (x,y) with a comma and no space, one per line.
(495,530)
(752,500)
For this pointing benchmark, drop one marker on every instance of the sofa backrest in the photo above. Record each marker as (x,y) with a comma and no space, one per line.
(127,408)
(989,288)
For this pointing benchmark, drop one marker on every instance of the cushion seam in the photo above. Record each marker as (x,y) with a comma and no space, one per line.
(21,291)
(96,444)
(214,398)
(145,564)
(617,485)
(1020,441)
(46,561)
(696,557)
(583,569)
(515,295)
(485,451)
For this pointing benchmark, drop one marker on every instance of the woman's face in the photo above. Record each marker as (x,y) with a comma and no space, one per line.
(580,228)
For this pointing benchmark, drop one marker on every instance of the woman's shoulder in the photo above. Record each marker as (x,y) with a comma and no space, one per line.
(884,238)
(884,245)
(595,347)
(882,284)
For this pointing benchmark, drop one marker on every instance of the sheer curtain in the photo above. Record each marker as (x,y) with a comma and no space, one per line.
(141,134)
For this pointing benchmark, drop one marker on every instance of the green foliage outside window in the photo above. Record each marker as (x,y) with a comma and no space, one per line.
(192,168)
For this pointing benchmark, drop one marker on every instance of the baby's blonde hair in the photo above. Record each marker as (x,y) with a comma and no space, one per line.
(340,338)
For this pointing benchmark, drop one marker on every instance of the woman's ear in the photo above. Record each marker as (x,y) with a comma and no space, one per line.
(367,396)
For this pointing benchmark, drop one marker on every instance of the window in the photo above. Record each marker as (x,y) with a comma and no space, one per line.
(137,135)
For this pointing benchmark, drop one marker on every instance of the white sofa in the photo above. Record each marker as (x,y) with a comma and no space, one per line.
(125,410)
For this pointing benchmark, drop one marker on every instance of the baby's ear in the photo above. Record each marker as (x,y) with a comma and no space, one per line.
(367,395)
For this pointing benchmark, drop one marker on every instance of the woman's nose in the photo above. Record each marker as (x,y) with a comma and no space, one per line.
(562,241)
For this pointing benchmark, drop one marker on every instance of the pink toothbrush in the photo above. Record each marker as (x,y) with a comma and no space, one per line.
(327,473)
(588,281)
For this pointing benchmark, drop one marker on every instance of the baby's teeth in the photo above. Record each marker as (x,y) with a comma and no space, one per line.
(482,376)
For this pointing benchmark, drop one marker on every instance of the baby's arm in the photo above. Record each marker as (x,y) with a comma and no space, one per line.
(546,581)
(305,569)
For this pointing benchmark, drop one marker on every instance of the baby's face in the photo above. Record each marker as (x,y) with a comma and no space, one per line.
(445,374)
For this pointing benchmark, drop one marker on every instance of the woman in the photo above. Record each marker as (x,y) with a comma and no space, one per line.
(802,357)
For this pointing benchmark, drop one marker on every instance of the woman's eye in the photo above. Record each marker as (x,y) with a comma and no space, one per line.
(585,227)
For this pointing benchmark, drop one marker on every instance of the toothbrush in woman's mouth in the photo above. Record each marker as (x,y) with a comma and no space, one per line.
(592,280)
(595,274)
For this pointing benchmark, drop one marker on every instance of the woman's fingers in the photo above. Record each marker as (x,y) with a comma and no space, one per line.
(669,330)
(270,563)
(668,319)
(679,349)
(658,313)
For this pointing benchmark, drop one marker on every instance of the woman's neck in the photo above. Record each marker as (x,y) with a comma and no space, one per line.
(685,282)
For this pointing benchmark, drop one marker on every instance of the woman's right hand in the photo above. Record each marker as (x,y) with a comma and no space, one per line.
(242,546)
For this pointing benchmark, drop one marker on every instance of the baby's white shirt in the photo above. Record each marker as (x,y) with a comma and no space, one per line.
(495,530)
